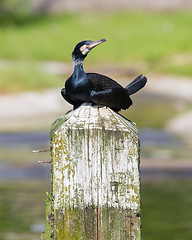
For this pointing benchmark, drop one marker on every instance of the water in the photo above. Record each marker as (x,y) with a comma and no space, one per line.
(28,167)
(36,171)
(157,138)
(37,139)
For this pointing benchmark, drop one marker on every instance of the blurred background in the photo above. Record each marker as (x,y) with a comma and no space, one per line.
(150,37)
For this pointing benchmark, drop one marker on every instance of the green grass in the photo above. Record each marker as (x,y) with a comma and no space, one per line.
(24,76)
(166,209)
(152,39)
(132,36)
(150,114)
(184,69)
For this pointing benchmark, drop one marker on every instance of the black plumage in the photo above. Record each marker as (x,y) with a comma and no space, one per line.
(96,88)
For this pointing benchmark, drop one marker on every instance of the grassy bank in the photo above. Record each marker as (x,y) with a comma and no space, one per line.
(132,36)
(19,76)
(137,41)
(159,42)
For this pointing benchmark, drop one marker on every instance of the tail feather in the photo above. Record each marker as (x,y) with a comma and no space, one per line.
(138,83)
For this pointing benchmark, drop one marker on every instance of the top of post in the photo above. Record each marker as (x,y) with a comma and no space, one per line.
(97,117)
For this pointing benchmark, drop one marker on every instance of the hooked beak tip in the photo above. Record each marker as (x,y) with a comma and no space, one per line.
(103,40)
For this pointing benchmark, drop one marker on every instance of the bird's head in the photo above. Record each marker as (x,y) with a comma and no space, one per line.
(84,47)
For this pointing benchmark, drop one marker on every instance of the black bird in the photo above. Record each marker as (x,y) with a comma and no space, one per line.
(96,88)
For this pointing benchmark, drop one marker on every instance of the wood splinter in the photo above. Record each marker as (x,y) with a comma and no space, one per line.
(40,150)
(44,162)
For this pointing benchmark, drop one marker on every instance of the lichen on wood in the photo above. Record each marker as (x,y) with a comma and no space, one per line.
(95,176)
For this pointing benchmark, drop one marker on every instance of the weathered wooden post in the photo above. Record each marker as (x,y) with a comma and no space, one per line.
(95,177)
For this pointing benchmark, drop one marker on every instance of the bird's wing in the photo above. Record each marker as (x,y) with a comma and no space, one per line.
(66,97)
(115,98)
(101,82)
(108,92)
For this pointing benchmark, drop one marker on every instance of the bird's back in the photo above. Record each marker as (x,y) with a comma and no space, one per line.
(101,82)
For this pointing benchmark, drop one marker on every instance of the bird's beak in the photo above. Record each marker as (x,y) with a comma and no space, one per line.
(95,43)
(86,48)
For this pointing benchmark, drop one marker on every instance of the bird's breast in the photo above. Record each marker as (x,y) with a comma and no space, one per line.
(78,90)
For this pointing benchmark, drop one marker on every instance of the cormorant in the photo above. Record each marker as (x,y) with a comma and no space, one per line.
(96,88)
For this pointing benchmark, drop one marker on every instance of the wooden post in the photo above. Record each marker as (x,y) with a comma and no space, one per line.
(95,177)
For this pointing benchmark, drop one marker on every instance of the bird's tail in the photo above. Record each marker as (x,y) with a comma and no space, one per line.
(138,83)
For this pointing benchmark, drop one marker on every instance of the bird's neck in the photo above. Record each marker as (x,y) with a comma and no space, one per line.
(79,74)
(77,64)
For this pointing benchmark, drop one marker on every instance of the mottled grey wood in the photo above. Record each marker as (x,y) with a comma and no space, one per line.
(95,176)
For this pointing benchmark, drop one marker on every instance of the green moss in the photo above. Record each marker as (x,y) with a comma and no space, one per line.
(58,123)
(49,219)
(69,224)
